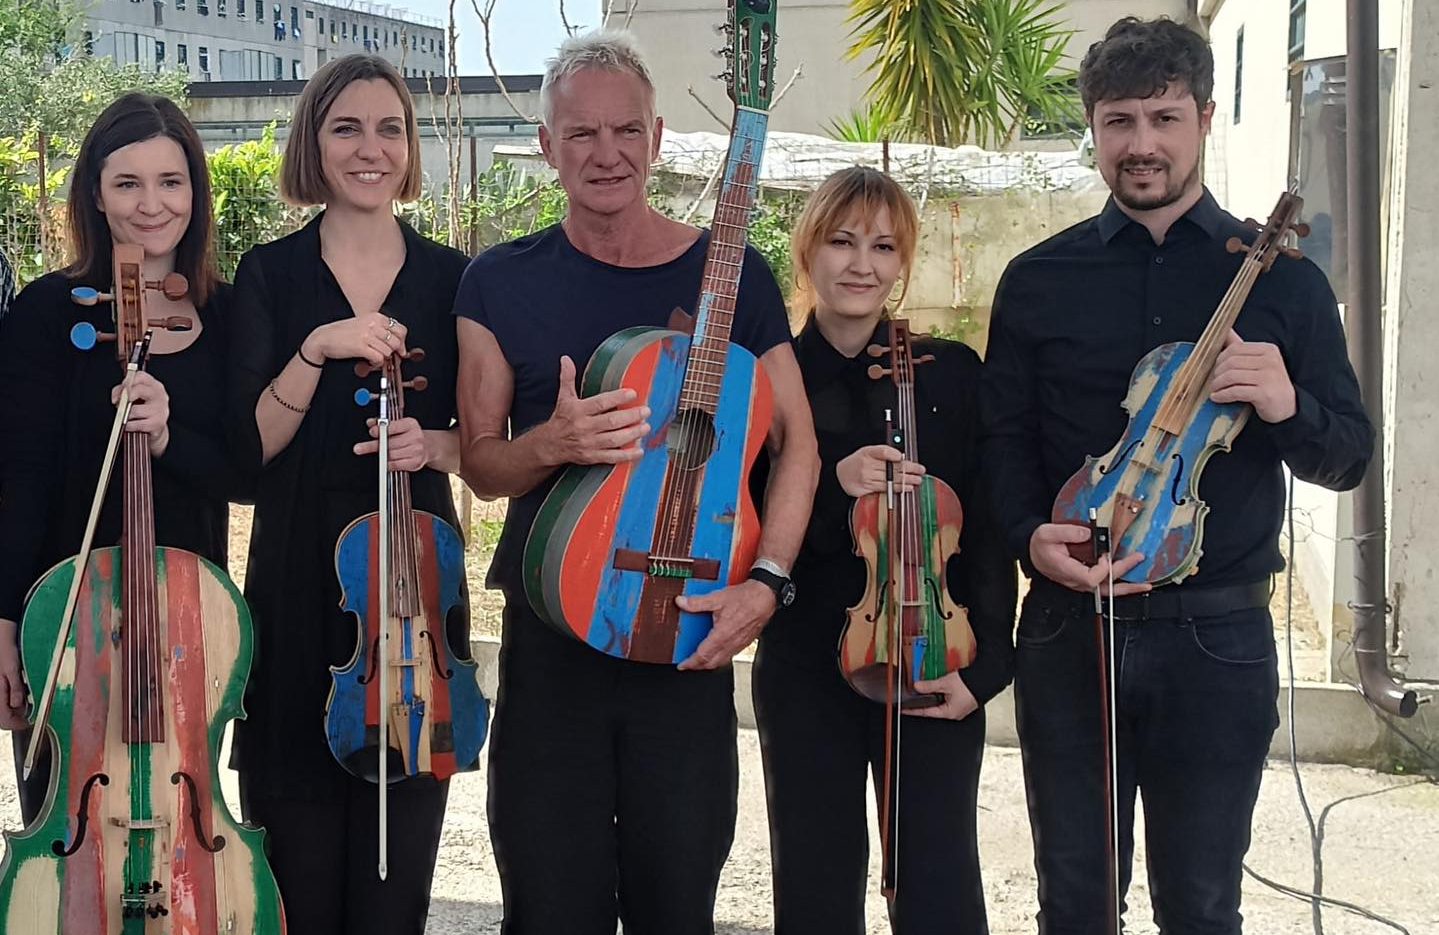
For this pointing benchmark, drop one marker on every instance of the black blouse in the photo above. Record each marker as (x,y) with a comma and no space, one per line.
(312,490)
(848,409)
(60,416)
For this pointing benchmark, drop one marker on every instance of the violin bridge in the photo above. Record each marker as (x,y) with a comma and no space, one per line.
(140,824)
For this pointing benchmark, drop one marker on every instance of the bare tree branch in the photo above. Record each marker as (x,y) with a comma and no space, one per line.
(569,30)
(797,74)
(709,110)
(485,23)
(704,192)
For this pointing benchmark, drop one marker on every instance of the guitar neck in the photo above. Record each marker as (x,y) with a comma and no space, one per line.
(714,313)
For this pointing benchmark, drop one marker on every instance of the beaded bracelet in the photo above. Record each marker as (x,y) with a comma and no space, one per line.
(288,406)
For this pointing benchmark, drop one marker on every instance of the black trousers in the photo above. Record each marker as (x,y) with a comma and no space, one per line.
(1196,710)
(613,788)
(819,740)
(325,854)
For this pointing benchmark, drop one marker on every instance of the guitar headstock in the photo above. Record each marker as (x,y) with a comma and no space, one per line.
(127,298)
(1271,241)
(749,54)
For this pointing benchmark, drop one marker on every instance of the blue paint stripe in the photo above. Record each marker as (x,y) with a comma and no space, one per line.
(620,591)
(469,711)
(345,718)
(724,479)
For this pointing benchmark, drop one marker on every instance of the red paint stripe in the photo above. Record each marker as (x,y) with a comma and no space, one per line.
(438,711)
(587,554)
(193,905)
(369,626)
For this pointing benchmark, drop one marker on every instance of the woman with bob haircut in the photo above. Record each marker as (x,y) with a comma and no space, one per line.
(140,178)
(354,285)
(854,241)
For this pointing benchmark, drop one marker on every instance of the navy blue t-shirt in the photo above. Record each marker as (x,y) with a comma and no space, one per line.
(543,298)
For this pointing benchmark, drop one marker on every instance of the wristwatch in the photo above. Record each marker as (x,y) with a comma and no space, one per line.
(773,577)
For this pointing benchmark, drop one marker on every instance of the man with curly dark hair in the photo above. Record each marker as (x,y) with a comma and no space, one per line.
(1195,663)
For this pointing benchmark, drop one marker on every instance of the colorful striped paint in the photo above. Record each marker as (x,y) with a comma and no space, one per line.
(1160,471)
(447,718)
(206,655)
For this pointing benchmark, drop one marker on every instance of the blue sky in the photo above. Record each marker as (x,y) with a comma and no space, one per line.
(525,32)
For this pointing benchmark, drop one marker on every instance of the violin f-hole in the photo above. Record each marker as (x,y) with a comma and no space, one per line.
(374,664)
(82,818)
(1121,458)
(444,672)
(1174,495)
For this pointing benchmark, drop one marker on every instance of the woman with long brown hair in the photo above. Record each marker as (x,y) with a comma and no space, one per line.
(354,285)
(140,178)
(854,242)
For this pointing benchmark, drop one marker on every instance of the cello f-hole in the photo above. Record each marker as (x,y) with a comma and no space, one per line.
(82,818)
(445,673)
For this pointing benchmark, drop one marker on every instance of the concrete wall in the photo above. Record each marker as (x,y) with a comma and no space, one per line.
(1413,295)
(679,39)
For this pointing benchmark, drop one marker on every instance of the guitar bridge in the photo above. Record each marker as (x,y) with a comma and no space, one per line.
(662,566)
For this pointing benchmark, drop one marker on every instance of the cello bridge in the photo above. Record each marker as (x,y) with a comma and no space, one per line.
(141,824)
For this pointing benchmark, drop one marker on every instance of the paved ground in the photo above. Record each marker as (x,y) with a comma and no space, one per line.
(1380,841)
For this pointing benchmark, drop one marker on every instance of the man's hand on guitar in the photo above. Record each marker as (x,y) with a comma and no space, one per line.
(1049,551)
(740,613)
(593,430)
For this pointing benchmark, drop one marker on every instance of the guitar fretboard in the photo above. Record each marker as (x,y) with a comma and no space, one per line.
(714,314)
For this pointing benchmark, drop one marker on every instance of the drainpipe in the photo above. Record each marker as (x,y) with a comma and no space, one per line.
(1365,328)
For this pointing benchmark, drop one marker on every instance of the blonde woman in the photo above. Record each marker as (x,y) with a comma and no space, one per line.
(853,244)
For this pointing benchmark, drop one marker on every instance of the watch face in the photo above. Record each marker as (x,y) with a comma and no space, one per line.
(786,594)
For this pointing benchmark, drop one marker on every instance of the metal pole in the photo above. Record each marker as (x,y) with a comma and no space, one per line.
(1366,341)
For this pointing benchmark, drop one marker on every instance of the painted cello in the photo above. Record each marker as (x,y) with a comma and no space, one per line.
(405,704)
(144,652)
(906,627)
(1145,490)
(613,546)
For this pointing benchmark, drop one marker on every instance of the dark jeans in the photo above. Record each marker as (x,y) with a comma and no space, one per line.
(1196,711)
(613,788)
(820,740)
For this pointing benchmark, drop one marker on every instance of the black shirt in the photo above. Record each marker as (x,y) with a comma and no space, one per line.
(543,298)
(59,425)
(829,577)
(316,486)
(1074,315)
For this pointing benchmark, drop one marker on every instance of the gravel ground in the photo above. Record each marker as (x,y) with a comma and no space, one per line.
(1380,835)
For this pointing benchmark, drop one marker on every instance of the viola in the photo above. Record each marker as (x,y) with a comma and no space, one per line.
(612,546)
(144,652)
(906,627)
(1145,490)
(406,704)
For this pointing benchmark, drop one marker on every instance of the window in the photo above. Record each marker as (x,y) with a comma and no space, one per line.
(259,11)
(204,63)
(159,12)
(202,8)
(295,70)
(219,7)
(295,18)
(239,7)
(1238,73)
(345,29)
(159,53)
(366,30)
(179,4)
(1296,30)
(89,42)
(182,55)
(322,27)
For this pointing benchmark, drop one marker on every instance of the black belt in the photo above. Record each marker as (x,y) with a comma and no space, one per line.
(1170,602)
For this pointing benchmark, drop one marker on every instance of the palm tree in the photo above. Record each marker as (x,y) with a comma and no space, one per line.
(965,71)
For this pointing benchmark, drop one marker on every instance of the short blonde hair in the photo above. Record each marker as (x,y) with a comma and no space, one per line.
(856,189)
(302,175)
(609,49)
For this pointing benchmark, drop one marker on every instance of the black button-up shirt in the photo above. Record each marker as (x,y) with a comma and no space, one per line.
(1073,316)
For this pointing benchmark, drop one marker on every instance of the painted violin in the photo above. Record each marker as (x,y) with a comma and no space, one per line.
(1145,490)
(144,652)
(906,627)
(613,546)
(406,704)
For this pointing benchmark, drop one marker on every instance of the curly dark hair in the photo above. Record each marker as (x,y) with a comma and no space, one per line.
(1140,58)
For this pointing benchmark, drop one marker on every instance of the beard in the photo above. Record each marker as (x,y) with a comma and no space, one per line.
(1152,200)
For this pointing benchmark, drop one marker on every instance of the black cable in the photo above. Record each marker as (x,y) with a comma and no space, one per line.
(1329,900)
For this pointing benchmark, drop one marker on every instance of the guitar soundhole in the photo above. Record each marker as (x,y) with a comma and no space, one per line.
(691,439)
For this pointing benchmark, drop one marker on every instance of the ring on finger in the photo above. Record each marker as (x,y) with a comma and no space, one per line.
(390,325)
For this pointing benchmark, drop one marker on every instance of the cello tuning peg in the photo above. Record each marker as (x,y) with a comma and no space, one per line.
(172,323)
(1235,245)
(1301,230)
(174,286)
(85,336)
(84,295)
(418,384)
(877,372)
(876,350)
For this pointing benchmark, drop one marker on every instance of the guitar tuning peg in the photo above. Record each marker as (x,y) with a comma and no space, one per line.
(1235,245)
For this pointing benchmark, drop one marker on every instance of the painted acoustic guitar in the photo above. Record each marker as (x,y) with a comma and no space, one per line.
(613,546)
